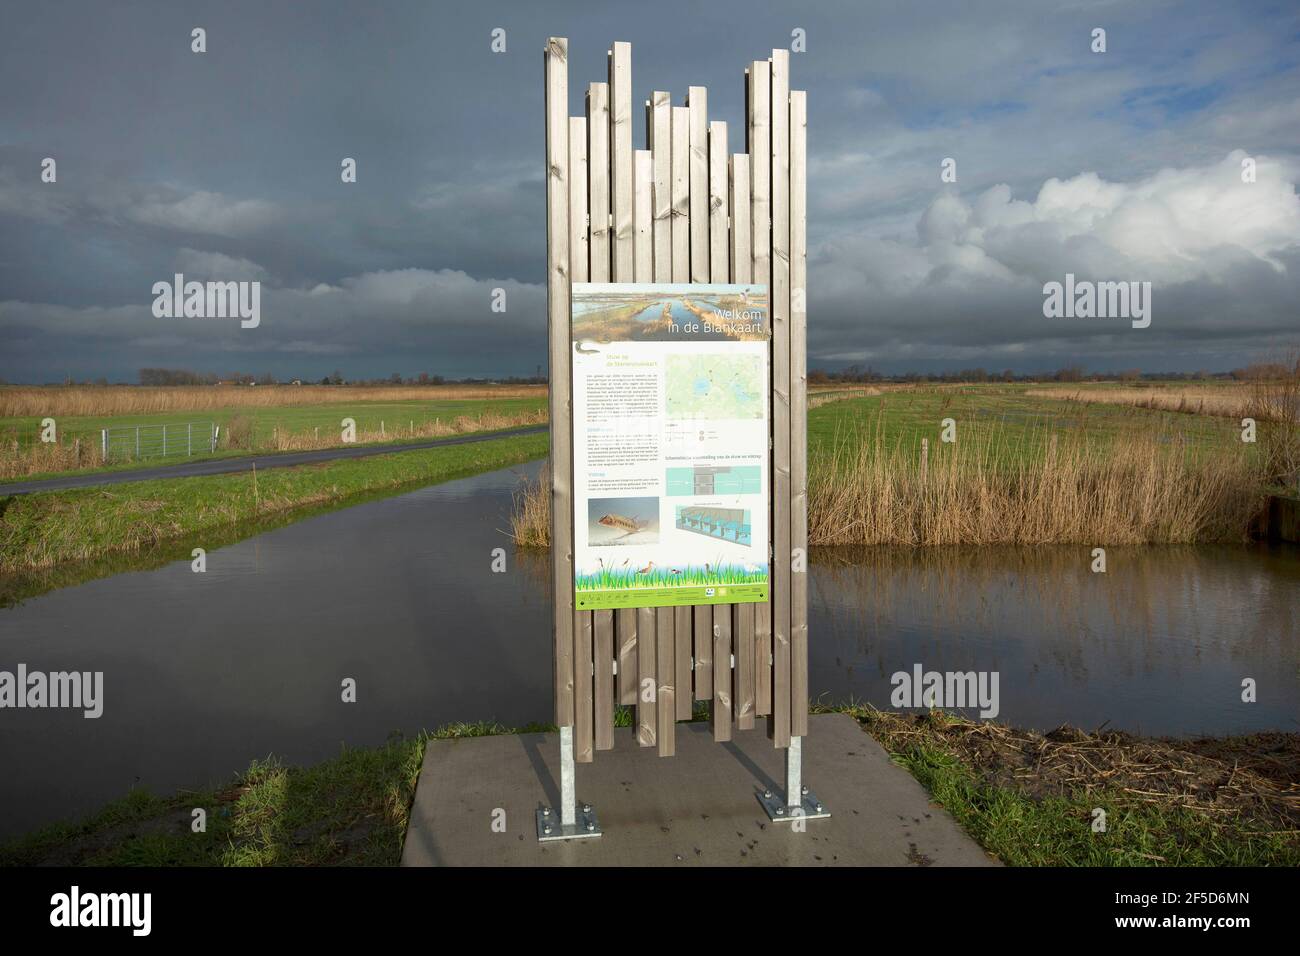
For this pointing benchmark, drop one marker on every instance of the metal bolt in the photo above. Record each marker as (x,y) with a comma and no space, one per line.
(546,829)
(804,791)
(819,808)
(590,826)
(780,811)
(586,808)
(767,794)
(546,811)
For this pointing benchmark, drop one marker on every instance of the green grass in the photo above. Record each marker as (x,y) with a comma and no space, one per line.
(294,419)
(625,578)
(45,529)
(1020,421)
(1023,829)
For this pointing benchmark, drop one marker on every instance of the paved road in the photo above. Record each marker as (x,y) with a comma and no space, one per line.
(222,466)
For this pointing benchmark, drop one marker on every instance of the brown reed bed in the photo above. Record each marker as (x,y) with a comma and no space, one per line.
(18,401)
(1222,401)
(1048,488)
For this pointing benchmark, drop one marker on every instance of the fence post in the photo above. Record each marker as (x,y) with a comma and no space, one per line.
(189,439)
(137,442)
(164,454)
(103,436)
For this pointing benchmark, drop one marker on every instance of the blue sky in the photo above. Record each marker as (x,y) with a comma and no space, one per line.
(1122,165)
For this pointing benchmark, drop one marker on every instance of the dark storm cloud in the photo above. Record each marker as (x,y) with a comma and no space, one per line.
(227,164)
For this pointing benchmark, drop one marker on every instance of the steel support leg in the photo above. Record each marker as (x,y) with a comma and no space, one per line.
(798,803)
(574,821)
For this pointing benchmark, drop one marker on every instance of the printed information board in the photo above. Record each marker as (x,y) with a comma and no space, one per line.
(670,444)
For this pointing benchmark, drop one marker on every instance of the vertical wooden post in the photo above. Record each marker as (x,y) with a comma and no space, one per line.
(659,137)
(741,251)
(598,166)
(620,176)
(758,96)
(681,189)
(556,70)
(697,102)
(578,238)
(799,411)
(781,395)
(665,669)
(648,634)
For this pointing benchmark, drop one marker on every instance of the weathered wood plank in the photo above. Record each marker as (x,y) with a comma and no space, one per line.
(763,659)
(719,254)
(556,72)
(799,411)
(647,693)
(665,673)
(660,137)
(681,187)
(744,650)
(742,253)
(646,624)
(760,168)
(621,164)
(603,655)
(598,179)
(703,614)
(579,248)
(682,655)
(583,710)
(642,222)
(697,101)
(722,690)
(627,656)
(781,690)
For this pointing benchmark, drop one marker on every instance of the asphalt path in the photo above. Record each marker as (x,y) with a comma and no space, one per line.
(225,466)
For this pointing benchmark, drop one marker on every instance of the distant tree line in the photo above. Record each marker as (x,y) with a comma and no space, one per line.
(180,376)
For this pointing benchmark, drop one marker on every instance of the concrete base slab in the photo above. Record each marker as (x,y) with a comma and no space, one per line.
(700,807)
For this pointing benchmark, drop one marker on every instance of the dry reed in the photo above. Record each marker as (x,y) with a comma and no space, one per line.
(1048,489)
(19,401)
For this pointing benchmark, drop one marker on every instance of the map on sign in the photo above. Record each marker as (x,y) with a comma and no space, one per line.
(671,440)
(714,386)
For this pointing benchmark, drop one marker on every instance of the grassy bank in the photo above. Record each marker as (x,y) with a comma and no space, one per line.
(381,415)
(1030,799)
(1027,798)
(46,529)
(351,811)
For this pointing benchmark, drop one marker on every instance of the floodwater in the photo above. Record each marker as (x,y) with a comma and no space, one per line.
(205,672)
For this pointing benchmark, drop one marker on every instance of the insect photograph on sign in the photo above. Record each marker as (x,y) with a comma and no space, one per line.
(670,444)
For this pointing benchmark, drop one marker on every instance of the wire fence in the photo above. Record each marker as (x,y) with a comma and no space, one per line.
(172,440)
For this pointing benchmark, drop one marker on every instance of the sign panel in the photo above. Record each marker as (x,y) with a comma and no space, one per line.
(670,444)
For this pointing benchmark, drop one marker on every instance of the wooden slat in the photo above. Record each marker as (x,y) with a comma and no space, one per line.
(681,188)
(781,690)
(665,672)
(646,624)
(598,179)
(758,119)
(763,659)
(742,252)
(627,655)
(603,654)
(598,271)
(583,750)
(660,137)
(744,650)
(579,248)
(760,169)
(682,656)
(646,695)
(642,223)
(719,254)
(556,70)
(703,614)
(698,103)
(722,672)
(799,410)
(621,177)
